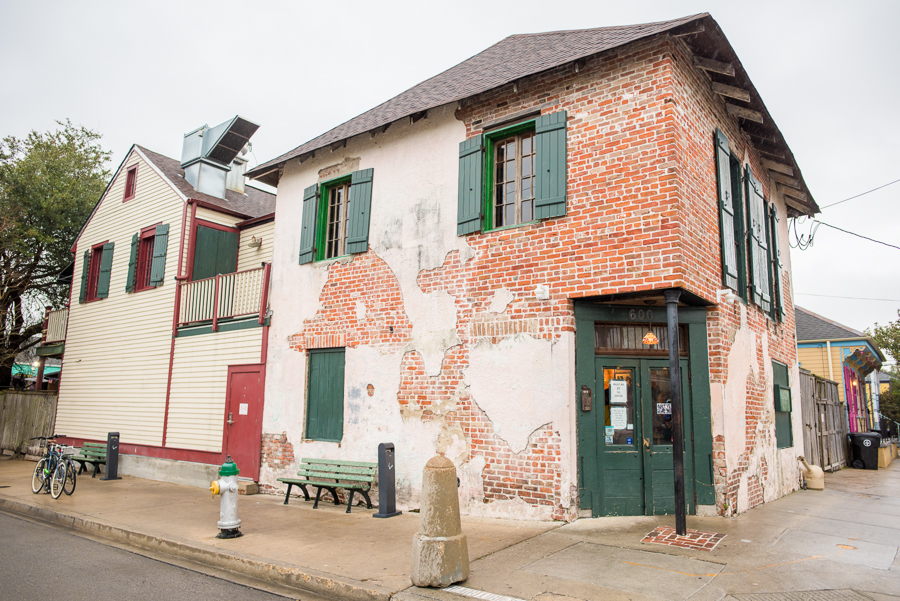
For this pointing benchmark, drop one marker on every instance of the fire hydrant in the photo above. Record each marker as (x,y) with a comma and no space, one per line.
(227,486)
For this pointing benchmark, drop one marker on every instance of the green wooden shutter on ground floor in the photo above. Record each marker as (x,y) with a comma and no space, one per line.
(550,165)
(160,244)
(308,224)
(325,395)
(105,269)
(358,211)
(781,386)
(132,262)
(471,185)
(85,270)
(726,212)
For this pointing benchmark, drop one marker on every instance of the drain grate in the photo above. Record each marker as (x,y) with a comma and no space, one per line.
(829,595)
(470,592)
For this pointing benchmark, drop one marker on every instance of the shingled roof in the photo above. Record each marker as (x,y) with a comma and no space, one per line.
(253,203)
(506,61)
(811,326)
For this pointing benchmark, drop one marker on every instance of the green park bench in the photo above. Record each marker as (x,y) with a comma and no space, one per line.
(93,453)
(353,476)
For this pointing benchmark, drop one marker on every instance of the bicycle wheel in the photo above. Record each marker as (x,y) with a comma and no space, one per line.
(39,479)
(71,477)
(58,479)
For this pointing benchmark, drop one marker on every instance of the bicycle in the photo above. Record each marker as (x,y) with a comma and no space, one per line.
(54,471)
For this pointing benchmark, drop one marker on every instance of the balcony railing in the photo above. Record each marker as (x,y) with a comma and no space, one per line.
(55,326)
(225,296)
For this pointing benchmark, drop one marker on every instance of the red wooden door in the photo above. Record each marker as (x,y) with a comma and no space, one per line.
(243,417)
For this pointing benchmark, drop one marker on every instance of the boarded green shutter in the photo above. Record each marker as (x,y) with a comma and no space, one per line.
(759,248)
(325,398)
(782,399)
(358,211)
(160,243)
(726,212)
(775,258)
(550,170)
(471,168)
(132,262)
(308,224)
(105,269)
(85,270)
(215,252)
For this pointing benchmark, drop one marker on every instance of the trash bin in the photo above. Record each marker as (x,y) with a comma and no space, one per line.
(864,450)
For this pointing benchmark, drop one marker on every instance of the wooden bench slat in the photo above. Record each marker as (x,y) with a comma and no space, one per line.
(340,477)
(335,462)
(363,471)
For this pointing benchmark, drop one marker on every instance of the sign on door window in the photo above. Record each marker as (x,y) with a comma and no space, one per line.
(619,406)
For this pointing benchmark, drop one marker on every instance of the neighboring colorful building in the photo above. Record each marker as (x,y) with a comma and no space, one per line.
(471,268)
(846,356)
(164,339)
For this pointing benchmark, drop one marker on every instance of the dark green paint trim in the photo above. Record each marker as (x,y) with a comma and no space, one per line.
(50,350)
(487,195)
(322,217)
(224,326)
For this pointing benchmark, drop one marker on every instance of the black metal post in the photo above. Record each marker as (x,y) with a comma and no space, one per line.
(672,297)
(112,457)
(387,491)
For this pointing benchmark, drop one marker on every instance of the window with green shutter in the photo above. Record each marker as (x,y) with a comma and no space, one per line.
(147,263)
(325,395)
(336,217)
(95,272)
(513,176)
(783,405)
(758,243)
(727,235)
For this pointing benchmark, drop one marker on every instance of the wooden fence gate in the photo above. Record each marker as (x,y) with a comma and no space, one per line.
(824,423)
(24,415)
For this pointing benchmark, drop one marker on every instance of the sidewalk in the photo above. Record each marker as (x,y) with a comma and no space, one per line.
(838,544)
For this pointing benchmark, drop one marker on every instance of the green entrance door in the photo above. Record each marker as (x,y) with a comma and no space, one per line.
(633,424)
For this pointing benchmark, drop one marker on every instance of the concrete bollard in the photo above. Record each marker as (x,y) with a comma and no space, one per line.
(440,555)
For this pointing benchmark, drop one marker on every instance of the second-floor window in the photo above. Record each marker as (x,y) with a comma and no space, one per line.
(336,231)
(514,180)
(335,219)
(145,260)
(147,265)
(95,272)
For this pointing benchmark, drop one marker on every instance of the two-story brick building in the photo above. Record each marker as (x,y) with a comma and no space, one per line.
(472,267)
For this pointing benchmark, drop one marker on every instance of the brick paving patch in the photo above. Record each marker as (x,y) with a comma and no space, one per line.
(694,539)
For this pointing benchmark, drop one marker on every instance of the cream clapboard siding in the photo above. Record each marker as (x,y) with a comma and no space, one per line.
(251,258)
(117,348)
(199,381)
(216,217)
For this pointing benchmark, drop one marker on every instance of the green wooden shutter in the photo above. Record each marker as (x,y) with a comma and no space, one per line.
(471,186)
(105,269)
(325,398)
(132,262)
(308,224)
(759,248)
(726,212)
(550,170)
(358,211)
(775,259)
(160,243)
(85,270)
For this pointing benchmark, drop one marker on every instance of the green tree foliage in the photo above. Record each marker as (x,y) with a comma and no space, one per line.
(49,183)
(888,337)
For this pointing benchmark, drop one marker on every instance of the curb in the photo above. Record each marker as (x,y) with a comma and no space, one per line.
(303,579)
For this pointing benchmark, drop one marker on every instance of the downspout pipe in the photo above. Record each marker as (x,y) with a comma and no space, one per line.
(672,297)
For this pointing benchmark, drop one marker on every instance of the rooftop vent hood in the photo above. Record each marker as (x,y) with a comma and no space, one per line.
(209,153)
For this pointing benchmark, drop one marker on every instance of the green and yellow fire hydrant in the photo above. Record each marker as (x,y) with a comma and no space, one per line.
(227,486)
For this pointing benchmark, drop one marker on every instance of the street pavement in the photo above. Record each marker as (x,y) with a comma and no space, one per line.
(841,544)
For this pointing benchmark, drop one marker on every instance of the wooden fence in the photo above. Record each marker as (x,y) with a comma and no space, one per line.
(24,415)
(824,422)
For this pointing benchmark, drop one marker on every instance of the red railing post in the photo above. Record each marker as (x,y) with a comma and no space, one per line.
(216,306)
(264,293)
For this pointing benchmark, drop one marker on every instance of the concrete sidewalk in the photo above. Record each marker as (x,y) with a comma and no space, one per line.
(838,544)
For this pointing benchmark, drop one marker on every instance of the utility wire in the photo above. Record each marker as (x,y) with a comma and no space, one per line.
(891,300)
(858,195)
(857,235)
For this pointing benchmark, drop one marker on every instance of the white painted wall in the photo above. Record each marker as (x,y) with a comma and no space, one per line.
(412,228)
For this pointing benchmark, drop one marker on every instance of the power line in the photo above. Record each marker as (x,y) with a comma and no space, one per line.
(857,235)
(858,195)
(890,300)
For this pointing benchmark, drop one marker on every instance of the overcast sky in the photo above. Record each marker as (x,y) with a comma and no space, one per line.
(148,72)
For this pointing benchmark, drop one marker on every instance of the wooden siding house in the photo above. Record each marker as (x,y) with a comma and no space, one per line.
(846,356)
(472,268)
(164,338)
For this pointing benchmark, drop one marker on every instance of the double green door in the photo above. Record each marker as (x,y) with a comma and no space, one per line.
(632,420)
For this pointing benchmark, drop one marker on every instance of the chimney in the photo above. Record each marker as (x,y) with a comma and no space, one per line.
(210,154)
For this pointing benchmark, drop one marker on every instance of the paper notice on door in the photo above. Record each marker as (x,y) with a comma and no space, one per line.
(618,392)
(609,440)
(664,408)
(619,417)
(242,410)
(610,431)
